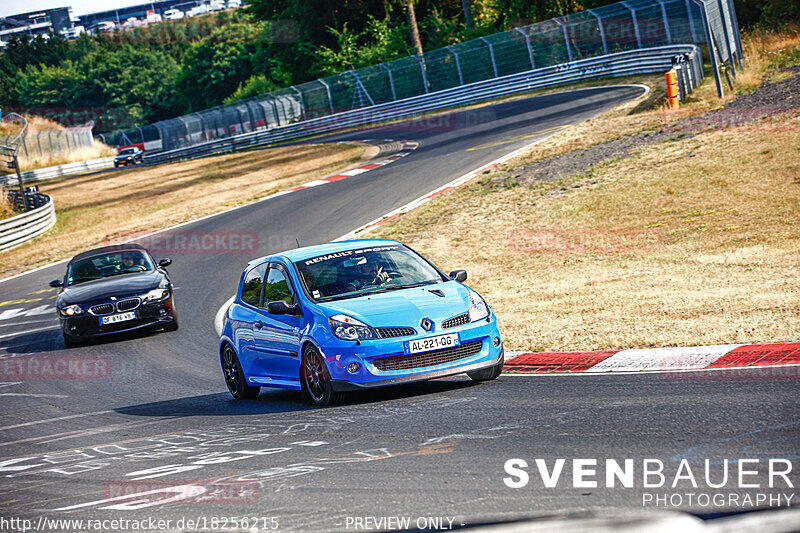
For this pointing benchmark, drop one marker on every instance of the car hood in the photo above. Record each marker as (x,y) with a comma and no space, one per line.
(405,307)
(121,286)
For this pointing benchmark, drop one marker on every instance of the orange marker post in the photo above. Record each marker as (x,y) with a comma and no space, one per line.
(672,89)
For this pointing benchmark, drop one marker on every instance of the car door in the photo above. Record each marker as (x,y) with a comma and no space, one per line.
(277,337)
(246,315)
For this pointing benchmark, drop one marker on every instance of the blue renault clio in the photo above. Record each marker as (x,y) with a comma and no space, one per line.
(343,316)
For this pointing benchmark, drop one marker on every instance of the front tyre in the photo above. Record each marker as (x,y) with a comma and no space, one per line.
(315,378)
(486,374)
(234,376)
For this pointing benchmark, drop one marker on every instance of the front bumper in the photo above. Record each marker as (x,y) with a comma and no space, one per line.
(340,354)
(149,315)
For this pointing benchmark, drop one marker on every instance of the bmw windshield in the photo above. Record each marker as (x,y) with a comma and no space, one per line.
(109,264)
(353,273)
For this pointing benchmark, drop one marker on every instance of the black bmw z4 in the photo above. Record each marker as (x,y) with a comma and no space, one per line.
(114,289)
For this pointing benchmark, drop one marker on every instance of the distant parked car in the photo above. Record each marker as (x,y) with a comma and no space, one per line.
(234,4)
(113,290)
(216,5)
(105,26)
(72,33)
(197,10)
(173,14)
(129,156)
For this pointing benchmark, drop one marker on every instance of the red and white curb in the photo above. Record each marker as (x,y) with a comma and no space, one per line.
(406,148)
(656,359)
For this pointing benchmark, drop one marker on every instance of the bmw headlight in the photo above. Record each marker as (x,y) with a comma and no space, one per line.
(477,307)
(156,295)
(349,329)
(71,310)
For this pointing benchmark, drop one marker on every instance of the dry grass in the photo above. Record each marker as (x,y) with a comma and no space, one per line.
(725,203)
(166,195)
(765,51)
(6,209)
(78,154)
(35,123)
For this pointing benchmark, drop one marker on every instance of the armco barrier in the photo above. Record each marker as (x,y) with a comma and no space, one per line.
(21,228)
(640,61)
(41,174)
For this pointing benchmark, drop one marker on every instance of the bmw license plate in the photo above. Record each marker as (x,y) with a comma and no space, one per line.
(121,317)
(433,343)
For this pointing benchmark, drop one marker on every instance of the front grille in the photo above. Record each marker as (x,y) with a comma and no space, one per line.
(459,320)
(102,309)
(436,357)
(385,333)
(127,305)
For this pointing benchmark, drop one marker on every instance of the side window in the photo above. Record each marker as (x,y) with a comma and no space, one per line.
(278,287)
(251,290)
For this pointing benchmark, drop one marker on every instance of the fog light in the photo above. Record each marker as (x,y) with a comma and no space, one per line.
(162,312)
(353,368)
(497,341)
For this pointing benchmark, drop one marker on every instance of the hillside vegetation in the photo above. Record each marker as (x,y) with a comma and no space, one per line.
(150,73)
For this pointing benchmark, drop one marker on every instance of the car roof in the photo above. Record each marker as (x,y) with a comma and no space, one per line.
(106,249)
(307,252)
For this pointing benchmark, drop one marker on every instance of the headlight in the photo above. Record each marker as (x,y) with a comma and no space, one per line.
(71,310)
(156,295)
(477,307)
(349,329)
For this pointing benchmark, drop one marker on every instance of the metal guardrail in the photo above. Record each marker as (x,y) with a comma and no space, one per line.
(640,61)
(79,167)
(21,228)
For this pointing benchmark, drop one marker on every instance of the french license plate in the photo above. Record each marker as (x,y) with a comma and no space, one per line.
(433,343)
(121,317)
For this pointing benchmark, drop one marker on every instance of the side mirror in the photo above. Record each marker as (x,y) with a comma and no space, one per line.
(279,307)
(56,283)
(165,262)
(459,275)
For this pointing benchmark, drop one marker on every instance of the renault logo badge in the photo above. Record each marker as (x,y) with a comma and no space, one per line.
(426,324)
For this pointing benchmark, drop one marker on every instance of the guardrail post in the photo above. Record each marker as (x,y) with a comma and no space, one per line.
(491,55)
(458,65)
(566,39)
(602,30)
(528,44)
(391,80)
(666,22)
(635,24)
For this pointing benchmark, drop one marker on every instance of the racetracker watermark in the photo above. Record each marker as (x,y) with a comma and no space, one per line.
(162,492)
(763,119)
(197,242)
(585,241)
(55,367)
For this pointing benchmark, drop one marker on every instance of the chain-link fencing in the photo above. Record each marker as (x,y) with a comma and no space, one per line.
(623,26)
(46,143)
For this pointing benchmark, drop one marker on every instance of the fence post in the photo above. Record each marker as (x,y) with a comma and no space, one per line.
(566,39)
(602,30)
(360,85)
(458,65)
(737,34)
(727,37)
(635,24)
(528,44)
(424,76)
(491,55)
(391,80)
(710,41)
(691,21)
(666,21)
(328,90)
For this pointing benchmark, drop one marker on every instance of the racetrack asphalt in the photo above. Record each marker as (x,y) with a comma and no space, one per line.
(157,413)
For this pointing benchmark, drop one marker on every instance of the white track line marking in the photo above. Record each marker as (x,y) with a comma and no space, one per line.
(28,331)
(48,420)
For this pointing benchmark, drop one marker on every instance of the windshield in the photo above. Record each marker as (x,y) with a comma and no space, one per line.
(127,151)
(109,264)
(352,273)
